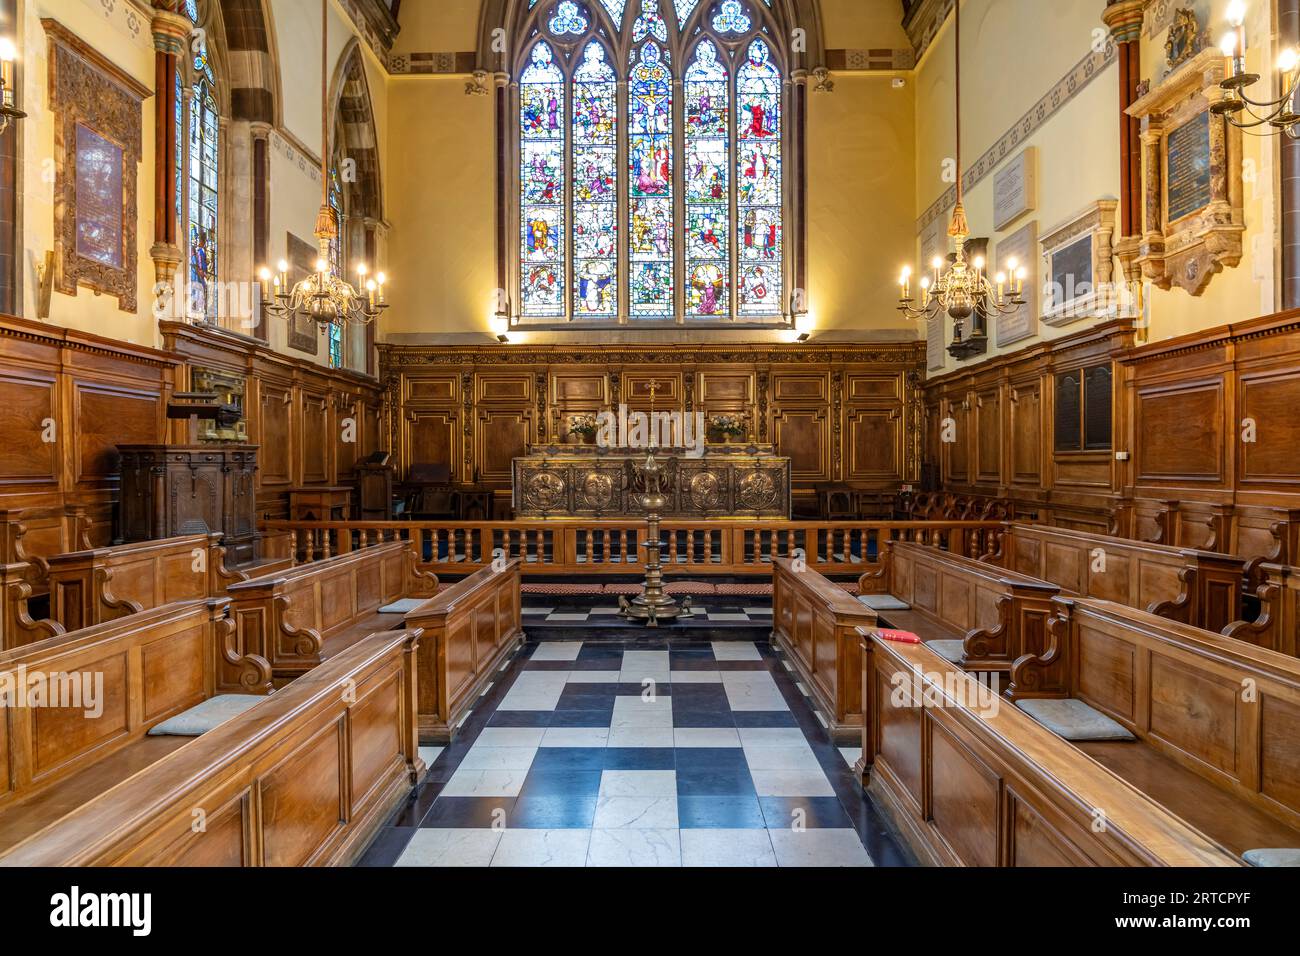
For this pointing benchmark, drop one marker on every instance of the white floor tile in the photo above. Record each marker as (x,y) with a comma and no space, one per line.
(782,758)
(758,611)
(772,737)
(542,848)
(437,847)
(791,783)
(557,651)
(818,848)
(635,848)
(575,618)
(748,848)
(510,737)
(752,690)
(705,737)
(851,755)
(535,690)
(638,712)
(430,754)
(498,758)
(536,610)
(735,650)
(575,737)
(638,783)
(484,783)
(593,677)
(636,813)
(728,617)
(641,737)
(642,665)
(695,677)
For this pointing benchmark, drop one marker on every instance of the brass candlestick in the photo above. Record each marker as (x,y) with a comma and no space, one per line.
(652,604)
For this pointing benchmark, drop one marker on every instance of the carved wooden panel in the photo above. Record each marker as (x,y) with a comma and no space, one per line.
(580,387)
(800,387)
(316,439)
(668,393)
(433,437)
(436,389)
(502,435)
(27,404)
(965,800)
(804,437)
(304,800)
(862,388)
(988,436)
(107,416)
(1271,402)
(959,445)
(511,388)
(1026,434)
(276,436)
(720,390)
(875,444)
(1179,432)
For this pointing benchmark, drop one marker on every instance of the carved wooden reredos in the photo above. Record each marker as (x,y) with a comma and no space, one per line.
(840,412)
(89,92)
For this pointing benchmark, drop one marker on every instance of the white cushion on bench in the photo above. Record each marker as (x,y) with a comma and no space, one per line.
(201,718)
(951,651)
(1278,857)
(884,602)
(1073,719)
(404,606)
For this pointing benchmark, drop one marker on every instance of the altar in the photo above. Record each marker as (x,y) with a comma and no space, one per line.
(587,481)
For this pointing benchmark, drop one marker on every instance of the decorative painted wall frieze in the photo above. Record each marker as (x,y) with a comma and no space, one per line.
(869,61)
(1065,90)
(415,64)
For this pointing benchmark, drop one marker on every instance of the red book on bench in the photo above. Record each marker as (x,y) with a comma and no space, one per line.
(898,637)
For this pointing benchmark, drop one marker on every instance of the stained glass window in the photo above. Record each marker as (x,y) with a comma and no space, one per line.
(758,181)
(595,186)
(650,171)
(615,8)
(708,195)
(635,207)
(202,189)
(731,18)
(338,256)
(568,19)
(542,131)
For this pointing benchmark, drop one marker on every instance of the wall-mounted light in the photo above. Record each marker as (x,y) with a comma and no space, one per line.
(9,110)
(503,339)
(803,337)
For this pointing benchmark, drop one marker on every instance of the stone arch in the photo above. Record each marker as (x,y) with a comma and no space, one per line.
(354,134)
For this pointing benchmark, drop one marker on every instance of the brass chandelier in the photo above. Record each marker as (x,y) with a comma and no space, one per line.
(1281,115)
(965,291)
(322,296)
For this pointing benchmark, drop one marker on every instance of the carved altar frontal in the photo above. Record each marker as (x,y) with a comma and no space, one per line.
(589,482)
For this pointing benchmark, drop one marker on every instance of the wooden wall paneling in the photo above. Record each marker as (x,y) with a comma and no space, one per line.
(874,437)
(987,441)
(1025,433)
(803,434)
(313,456)
(501,435)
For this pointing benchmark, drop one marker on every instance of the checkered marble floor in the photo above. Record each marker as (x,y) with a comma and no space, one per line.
(645,752)
(712,614)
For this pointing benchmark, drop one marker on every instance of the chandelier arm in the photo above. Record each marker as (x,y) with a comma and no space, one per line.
(1258,120)
(1270,104)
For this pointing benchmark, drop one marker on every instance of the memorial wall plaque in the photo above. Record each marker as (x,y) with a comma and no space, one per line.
(1015,189)
(301,255)
(97,151)
(99,198)
(934,348)
(1187,168)
(1022,246)
(1069,413)
(1072,271)
(1098,402)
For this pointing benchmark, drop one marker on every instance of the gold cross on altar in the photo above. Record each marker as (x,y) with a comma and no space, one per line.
(652,386)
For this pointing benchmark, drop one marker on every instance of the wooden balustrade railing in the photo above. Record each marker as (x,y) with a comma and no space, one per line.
(731,546)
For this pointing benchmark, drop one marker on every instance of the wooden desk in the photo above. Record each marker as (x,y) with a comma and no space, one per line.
(332,503)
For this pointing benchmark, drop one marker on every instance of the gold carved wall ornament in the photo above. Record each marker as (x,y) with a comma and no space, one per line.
(97,153)
(1192,181)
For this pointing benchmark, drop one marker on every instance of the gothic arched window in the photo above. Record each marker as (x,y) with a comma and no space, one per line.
(199,177)
(652,156)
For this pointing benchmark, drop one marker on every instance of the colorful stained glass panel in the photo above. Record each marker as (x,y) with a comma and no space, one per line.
(542,185)
(650,169)
(595,186)
(759,183)
(708,189)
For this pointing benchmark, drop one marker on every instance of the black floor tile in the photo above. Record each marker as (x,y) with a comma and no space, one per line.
(578,718)
(719,813)
(703,718)
(562,782)
(639,758)
(553,811)
(555,759)
(387,846)
(813,813)
(766,718)
(522,718)
(709,782)
(468,812)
